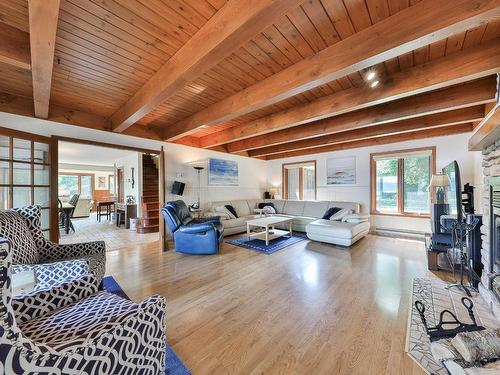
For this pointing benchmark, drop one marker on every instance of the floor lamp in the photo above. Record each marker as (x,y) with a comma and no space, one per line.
(196,206)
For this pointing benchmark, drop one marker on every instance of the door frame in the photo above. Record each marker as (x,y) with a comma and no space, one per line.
(161,179)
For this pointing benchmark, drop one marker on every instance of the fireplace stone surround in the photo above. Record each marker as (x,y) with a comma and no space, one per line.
(489,287)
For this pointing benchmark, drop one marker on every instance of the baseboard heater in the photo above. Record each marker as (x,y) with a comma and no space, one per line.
(406,233)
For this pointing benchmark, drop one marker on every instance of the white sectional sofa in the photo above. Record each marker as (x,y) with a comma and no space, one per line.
(306,218)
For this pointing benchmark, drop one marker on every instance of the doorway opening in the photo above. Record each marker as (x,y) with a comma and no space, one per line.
(108,193)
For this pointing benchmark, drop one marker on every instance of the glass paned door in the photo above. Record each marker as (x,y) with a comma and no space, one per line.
(293,183)
(25,173)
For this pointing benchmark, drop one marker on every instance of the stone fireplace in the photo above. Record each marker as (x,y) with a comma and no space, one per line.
(489,287)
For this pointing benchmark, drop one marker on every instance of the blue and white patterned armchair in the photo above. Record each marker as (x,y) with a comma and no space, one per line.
(31,250)
(100,334)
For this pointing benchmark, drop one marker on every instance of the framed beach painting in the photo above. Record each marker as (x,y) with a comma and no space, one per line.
(222,172)
(341,171)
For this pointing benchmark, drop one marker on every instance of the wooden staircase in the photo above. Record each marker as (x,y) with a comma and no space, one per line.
(149,222)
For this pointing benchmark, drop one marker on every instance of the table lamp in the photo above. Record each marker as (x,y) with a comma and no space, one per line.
(441,182)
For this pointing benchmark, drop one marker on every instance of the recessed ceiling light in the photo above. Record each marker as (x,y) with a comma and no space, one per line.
(370,76)
(374,84)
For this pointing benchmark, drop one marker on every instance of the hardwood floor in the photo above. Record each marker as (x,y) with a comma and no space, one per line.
(311,308)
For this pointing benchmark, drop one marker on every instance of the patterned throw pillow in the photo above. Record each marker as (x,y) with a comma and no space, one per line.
(225,211)
(340,214)
(270,209)
(332,210)
(13,227)
(232,210)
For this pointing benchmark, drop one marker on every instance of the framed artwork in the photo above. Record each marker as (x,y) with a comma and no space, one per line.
(101,182)
(222,172)
(341,171)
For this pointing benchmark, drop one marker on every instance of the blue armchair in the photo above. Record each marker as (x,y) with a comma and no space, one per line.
(192,236)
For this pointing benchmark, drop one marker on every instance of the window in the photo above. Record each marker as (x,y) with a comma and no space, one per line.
(400,182)
(299,181)
(25,174)
(70,184)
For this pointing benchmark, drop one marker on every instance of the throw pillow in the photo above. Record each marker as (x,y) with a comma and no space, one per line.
(340,214)
(330,212)
(224,210)
(355,218)
(270,209)
(268,204)
(232,210)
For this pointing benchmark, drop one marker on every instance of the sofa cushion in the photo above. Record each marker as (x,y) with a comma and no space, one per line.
(241,207)
(315,208)
(294,208)
(238,222)
(252,204)
(336,228)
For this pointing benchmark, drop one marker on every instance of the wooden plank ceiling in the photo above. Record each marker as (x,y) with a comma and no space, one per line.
(186,70)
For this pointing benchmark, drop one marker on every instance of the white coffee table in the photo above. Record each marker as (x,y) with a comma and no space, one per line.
(268,223)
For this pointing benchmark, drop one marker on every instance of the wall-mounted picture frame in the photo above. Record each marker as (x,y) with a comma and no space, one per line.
(341,171)
(101,182)
(222,172)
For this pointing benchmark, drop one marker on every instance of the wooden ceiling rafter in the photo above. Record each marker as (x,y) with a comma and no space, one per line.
(411,28)
(457,116)
(460,67)
(43,18)
(23,106)
(230,27)
(15,47)
(379,140)
(470,94)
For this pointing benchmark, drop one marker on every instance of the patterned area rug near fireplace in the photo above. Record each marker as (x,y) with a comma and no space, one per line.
(432,293)
(174,365)
(274,245)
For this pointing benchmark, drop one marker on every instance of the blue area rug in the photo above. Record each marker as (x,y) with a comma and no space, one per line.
(274,245)
(174,365)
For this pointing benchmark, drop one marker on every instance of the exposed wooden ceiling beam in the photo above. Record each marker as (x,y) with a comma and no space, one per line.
(488,130)
(449,70)
(15,47)
(458,116)
(417,26)
(233,25)
(43,17)
(380,140)
(460,96)
(24,106)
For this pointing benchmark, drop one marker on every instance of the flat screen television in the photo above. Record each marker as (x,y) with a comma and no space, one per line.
(178,188)
(455,190)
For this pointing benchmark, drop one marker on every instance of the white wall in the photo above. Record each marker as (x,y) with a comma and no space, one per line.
(134,160)
(179,159)
(447,149)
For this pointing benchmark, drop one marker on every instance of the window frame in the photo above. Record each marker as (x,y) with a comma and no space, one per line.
(79,175)
(284,180)
(399,155)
